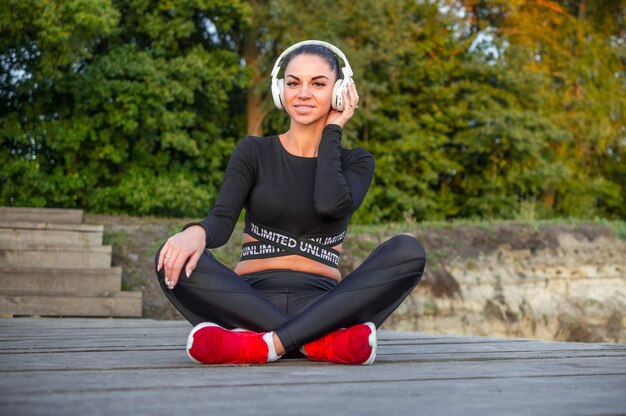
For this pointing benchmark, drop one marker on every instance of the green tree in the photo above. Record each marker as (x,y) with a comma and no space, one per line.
(118,106)
(472,108)
(39,42)
(465,128)
(454,133)
(578,47)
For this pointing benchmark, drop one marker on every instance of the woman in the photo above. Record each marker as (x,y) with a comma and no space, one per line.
(299,189)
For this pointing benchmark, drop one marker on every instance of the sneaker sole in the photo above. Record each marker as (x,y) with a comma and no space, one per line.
(373,341)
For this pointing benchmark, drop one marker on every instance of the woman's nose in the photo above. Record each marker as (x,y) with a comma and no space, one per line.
(304,92)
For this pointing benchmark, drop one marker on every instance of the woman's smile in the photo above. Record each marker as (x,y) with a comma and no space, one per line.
(304,108)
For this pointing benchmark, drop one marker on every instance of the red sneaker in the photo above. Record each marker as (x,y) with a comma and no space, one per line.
(209,343)
(354,345)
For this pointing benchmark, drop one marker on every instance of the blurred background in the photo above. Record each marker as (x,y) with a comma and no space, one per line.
(473,109)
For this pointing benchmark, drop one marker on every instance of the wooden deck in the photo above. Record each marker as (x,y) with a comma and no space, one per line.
(126,366)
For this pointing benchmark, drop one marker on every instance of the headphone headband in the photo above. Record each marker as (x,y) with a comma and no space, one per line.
(340,84)
(347,70)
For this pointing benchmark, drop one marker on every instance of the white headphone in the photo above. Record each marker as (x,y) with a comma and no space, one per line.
(278,85)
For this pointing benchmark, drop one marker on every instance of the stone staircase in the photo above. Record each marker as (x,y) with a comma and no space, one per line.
(51,264)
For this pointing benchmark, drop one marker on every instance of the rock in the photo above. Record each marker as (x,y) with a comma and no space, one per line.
(571,287)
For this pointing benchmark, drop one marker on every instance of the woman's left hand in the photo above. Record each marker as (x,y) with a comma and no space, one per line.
(351,103)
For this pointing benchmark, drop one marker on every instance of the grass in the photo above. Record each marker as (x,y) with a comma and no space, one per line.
(618,227)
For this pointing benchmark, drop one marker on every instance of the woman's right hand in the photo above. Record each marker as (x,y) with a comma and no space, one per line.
(351,103)
(186,245)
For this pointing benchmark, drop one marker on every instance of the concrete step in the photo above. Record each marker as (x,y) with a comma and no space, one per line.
(71,257)
(57,215)
(29,303)
(21,234)
(107,280)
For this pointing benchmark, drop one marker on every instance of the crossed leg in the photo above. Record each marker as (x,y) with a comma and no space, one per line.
(370,293)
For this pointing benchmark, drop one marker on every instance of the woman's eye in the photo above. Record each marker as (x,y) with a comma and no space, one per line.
(292,84)
(319,84)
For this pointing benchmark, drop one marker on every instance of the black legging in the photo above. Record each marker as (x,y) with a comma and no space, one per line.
(300,307)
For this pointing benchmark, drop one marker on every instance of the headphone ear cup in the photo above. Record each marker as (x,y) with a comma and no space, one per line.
(278,93)
(281,92)
(337,98)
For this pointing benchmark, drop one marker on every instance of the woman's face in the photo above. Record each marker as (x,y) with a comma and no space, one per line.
(308,89)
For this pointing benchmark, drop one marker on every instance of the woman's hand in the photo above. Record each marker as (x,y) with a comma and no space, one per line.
(351,103)
(186,245)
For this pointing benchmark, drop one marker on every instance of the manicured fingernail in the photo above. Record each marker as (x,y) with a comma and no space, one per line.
(188,273)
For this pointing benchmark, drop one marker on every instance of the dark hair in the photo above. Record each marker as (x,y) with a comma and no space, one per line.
(316,50)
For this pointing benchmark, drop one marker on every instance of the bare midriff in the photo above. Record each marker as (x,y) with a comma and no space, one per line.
(290,262)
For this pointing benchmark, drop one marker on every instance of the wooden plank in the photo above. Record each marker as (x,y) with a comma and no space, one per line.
(58,215)
(194,375)
(123,304)
(13,235)
(93,280)
(113,338)
(70,257)
(64,324)
(25,225)
(139,333)
(174,357)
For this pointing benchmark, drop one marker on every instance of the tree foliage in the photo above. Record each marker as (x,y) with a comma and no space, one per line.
(579,48)
(117,106)
(472,108)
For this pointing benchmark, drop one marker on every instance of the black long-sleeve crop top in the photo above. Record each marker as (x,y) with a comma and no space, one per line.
(290,201)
